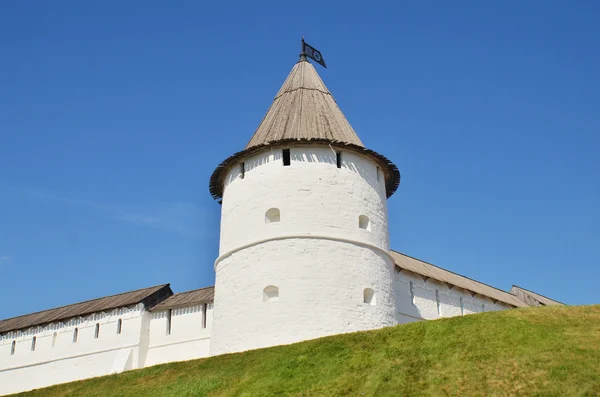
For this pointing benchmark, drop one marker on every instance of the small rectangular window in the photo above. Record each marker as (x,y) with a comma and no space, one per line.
(338,159)
(169,314)
(243,170)
(204,307)
(286,157)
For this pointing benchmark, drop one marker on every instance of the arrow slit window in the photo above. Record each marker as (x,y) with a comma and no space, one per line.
(286,157)
(169,316)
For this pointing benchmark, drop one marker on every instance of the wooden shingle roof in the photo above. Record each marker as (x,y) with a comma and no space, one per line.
(304,111)
(188,298)
(533,298)
(149,296)
(437,273)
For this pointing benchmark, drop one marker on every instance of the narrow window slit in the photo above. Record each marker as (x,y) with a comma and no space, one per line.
(338,159)
(286,157)
(243,170)
(169,316)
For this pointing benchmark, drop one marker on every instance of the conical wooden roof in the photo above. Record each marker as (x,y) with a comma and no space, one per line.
(304,109)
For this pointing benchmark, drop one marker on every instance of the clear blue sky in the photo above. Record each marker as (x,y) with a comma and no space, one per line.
(114,114)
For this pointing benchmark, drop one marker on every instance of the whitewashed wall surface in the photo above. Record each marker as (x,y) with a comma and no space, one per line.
(94,345)
(179,334)
(420,299)
(100,344)
(304,249)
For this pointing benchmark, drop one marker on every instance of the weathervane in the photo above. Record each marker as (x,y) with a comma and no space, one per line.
(312,53)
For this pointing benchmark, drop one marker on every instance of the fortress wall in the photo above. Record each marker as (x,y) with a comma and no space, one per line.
(188,338)
(59,358)
(431,299)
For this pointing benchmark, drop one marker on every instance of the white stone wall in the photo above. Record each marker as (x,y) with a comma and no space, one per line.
(317,256)
(188,339)
(142,342)
(431,299)
(57,359)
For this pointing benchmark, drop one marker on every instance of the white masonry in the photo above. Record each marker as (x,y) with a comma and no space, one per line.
(304,249)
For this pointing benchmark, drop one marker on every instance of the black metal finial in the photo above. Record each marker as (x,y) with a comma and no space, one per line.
(302,53)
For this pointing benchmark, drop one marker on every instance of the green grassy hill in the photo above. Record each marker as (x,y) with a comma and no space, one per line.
(551,351)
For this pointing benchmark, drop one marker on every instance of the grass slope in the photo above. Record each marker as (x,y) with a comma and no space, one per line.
(551,351)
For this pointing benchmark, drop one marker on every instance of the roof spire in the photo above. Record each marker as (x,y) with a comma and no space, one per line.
(304,109)
(302,53)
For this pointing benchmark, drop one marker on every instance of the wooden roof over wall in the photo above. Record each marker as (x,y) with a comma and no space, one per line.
(188,298)
(533,298)
(149,296)
(431,271)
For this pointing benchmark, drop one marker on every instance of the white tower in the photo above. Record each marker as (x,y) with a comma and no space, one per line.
(304,248)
